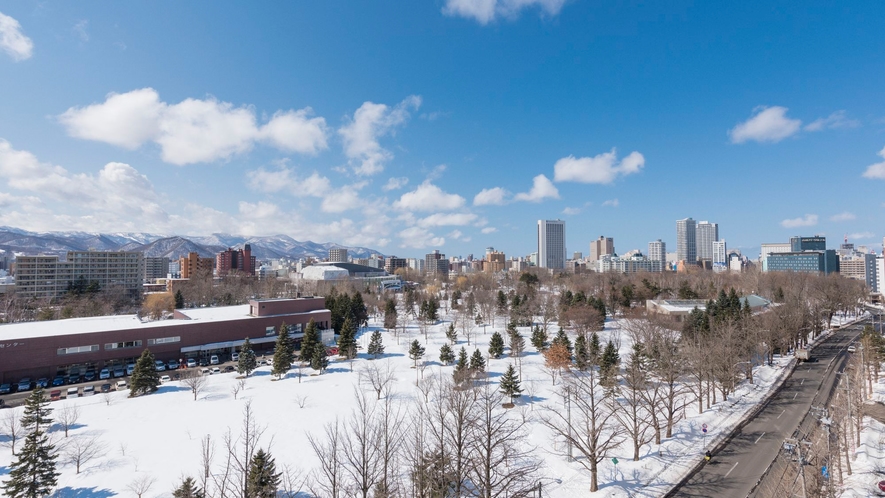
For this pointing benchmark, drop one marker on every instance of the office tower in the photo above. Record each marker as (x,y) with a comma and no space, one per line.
(686,237)
(816,243)
(601,246)
(551,244)
(193,264)
(657,251)
(720,256)
(338,255)
(706,234)
(436,263)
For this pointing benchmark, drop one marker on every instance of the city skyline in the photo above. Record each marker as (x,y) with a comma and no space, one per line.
(296,124)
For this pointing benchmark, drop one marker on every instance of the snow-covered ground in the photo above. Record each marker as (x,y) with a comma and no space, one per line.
(868,466)
(160,435)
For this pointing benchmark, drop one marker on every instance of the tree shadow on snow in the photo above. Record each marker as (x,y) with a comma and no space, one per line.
(4,471)
(172,389)
(58,428)
(69,492)
(336,369)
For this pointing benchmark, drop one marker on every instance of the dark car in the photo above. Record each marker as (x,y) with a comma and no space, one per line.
(58,381)
(229,368)
(105,388)
(204,362)
(73,378)
(5,388)
(89,376)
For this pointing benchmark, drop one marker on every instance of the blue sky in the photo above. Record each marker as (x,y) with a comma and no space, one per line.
(449,124)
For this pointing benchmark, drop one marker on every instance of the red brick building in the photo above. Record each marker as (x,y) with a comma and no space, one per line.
(231,260)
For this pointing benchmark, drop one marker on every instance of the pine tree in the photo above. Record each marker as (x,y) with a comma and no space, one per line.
(263,480)
(608,365)
(582,357)
(562,338)
(246,364)
(446,355)
(502,302)
(477,363)
(594,349)
(451,335)
(539,339)
(416,351)
(188,489)
(376,347)
(347,340)
(179,300)
(283,355)
(462,367)
(390,314)
(496,345)
(359,315)
(33,474)
(309,341)
(510,383)
(318,359)
(145,378)
(517,344)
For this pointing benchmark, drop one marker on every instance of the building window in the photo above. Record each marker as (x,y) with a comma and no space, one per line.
(122,345)
(78,349)
(163,340)
(269,331)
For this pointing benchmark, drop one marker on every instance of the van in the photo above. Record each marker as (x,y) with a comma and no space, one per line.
(73,392)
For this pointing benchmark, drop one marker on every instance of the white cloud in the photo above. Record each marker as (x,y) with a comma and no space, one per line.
(768,124)
(395,183)
(486,11)
(193,130)
(79,29)
(419,238)
(542,188)
(447,219)
(496,196)
(571,211)
(861,235)
(809,220)
(603,168)
(343,199)
(284,179)
(369,123)
(843,216)
(13,41)
(876,170)
(428,197)
(838,119)
(488,230)
(260,209)
(611,203)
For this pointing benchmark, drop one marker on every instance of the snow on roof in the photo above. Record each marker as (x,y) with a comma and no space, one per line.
(324,273)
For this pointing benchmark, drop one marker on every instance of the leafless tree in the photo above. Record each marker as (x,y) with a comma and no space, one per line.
(589,426)
(428,387)
(207,455)
(359,451)
(238,386)
(292,481)
(377,375)
(300,400)
(459,419)
(390,434)
(141,484)
(242,448)
(466,323)
(80,450)
(11,427)
(68,416)
(108,398)
(632,408)
(327,480)
(195,381)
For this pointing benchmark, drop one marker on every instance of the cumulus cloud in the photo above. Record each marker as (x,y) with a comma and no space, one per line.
(768,124)
(603,168)
(843,216)
(542,188)
(194,130)
(369,123)
(877,170)
(496,196)
(13,41)
(447,219)
(809,220)
(838,119)
(861,235)
(343,199)
(571,211)
(611,203)
(486,11)
(428,197)
(488,230)
(419,238)
(395,183)
(284,179)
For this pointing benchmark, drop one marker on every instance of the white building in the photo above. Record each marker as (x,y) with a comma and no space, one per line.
(551,244)
(686,241)
(657,251)
(880,274)
(706,234)
(720,256)
(633,264)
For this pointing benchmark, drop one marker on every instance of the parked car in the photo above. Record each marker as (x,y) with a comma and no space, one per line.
(121,384)
(89,376)
(213,360)
(5,388)
(191,363)
(229,368)
(105,388)
(58,381)
(852,349)
(165,378)
(73,378)
(88,390)
(43,382)
(118,371)
(205,371)
(161,367)
(173,365)
(130,368)
(24,384)
(73,392)
(55,395)
(204,362)
(235,357)
(105,374)
(216,370)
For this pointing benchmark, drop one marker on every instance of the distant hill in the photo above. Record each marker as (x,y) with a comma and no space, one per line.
(16,240)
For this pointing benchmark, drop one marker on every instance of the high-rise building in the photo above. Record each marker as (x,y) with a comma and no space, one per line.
(392,263)
(494,262)
(816,243)
(193,265)
(880,274)
(231,260)
(551,244)
(686,241)
(720,256)
(706,234)
(155,268)
(657,251)
(338,255)
(577,255)
(435,263)
(47,277)
(601,247)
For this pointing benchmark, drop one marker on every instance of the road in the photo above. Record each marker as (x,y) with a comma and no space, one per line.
(736,468)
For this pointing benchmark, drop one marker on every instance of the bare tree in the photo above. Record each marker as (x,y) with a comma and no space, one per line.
(207,455)
(11,427)
(238,386)
(292,481)
(195,381)
(359,452)
(632,409)
(141,484)
(242,448)
(390,434)
(428,387)
(378,375)
(458,420)
(300,400)
(108,398)
(68,416)
(80,450)
(327,480)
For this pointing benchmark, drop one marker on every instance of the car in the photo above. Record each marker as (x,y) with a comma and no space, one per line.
(89,376)
(173,365)
(118,371)
(58,381)
(852,349)
(105,388)
(88,390)
(130,368)
(165,378)
(43,382)
(73,378)
(229,368)
(235,357)
(213,360)
(121,384)
(191,363)
(161,367)
(176,376)
(5,388)
(73,392)
(24,384)
(205,371)
(105,374)
(55,395)
(204,362)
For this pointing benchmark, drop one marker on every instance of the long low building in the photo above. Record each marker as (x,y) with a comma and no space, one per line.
(61,347)
(678,309)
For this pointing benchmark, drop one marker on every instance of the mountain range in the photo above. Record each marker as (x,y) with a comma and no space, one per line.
(18,241)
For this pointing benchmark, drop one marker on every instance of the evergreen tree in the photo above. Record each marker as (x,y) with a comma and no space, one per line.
(263,480)
(562,338)
(347,340)
(145,378)
(416,351)
(502,302)
(446,355)
(283,355)
(358,312)
(510,383)
(246,364)
(456,296)
(309,341)
(594,349)
(539,339)
(496,345)
(188,489)
(517,343)
(451,335)
(179,300)
(376,347)
(318,359)
(477,363)
(32,474)
(462,367)
(608,365)
(582,356)
(471,303)
(390,314)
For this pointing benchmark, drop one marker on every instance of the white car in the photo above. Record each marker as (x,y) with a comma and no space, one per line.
(191,363)
(213,360)
(235,357)
(104,374)
(165,378)
(851,348)
(215,370)
(121,384)
(130,368)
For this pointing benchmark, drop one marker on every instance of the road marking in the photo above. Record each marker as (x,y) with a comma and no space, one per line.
(732,468)
(797,394)
(803,382)
(760,437)
(779,416)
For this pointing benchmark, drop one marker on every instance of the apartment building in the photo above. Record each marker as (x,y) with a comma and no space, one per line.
(48,277)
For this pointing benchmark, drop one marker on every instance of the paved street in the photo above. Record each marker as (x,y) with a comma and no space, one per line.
(735,469)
